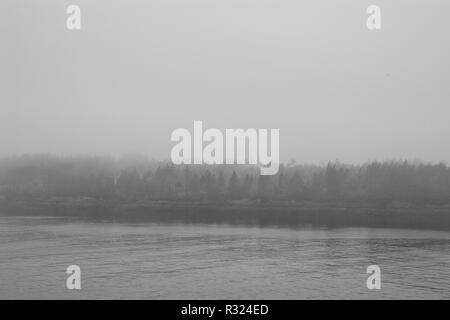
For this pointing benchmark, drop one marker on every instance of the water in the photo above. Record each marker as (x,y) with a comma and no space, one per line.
(155,261)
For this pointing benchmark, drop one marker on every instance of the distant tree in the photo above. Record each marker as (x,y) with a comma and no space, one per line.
(296,186)
(282,188)
(247,186)
(128,184)
(221,185)
(234,187)
(333,182)
(264,188)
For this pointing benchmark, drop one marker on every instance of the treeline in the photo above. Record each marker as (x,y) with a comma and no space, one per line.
(138,178)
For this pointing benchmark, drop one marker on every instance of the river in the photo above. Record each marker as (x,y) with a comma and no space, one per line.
(194,261)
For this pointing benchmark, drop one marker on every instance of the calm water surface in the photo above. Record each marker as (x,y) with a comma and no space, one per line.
(155,261)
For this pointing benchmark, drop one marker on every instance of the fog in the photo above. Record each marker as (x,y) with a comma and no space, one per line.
(137,70)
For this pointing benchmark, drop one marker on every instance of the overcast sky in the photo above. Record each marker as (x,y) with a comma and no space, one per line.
(137,70)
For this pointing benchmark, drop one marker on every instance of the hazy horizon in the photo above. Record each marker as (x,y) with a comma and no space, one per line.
(138,70)
(146,157)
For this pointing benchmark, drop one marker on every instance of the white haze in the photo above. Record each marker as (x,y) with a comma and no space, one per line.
(137,70)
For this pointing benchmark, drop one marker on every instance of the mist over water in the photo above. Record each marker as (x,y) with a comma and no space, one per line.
(361,117)
(181,261)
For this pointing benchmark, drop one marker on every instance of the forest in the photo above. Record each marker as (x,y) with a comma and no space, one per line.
(131,178)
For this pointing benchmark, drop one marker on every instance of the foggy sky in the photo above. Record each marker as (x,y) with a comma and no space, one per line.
(137,70)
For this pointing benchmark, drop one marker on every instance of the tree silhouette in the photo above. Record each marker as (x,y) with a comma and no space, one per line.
(48,177)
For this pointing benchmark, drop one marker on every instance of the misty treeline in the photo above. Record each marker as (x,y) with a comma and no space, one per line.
(138,178)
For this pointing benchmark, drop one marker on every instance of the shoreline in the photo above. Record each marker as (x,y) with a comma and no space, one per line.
(280,213)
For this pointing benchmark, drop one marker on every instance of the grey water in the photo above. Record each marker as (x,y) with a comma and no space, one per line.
(193,261)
